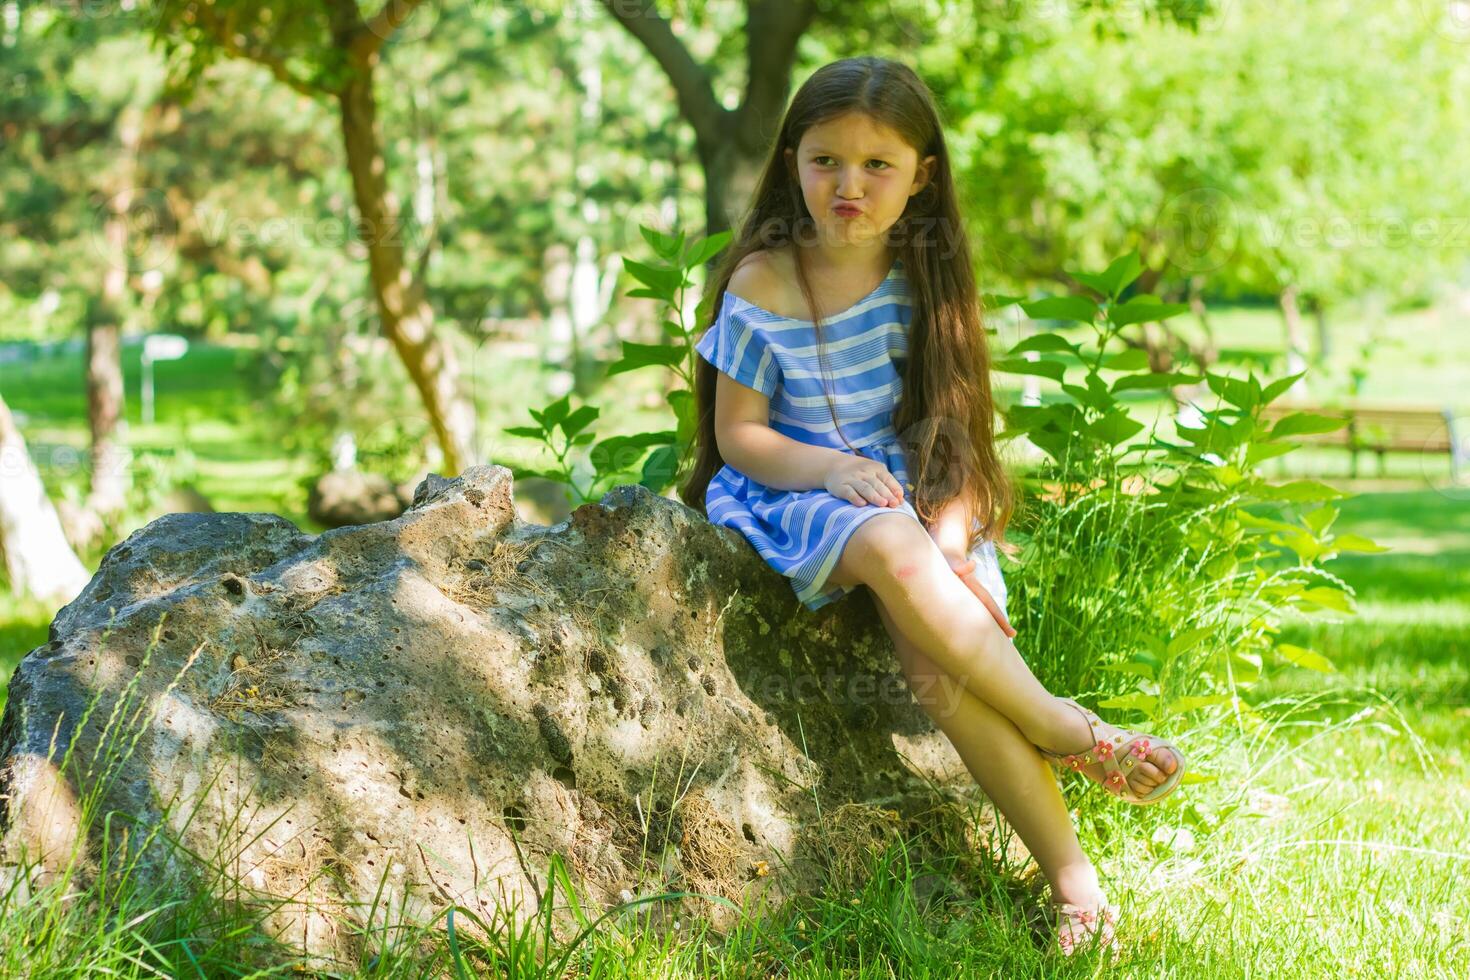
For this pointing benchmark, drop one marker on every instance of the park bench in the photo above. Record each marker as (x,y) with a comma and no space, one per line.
(1385,429)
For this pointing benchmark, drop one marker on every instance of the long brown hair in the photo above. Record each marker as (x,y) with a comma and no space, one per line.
(946,415)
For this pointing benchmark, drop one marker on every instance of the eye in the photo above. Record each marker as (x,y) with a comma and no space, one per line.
(818,160)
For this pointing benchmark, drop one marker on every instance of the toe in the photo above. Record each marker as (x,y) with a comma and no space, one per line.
(1164,760)
(1147,775)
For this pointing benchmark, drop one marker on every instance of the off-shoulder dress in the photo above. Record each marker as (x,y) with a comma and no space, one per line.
(801,534)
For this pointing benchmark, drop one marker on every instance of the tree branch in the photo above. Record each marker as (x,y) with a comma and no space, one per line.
(772,30)
(697,102)
(225,36)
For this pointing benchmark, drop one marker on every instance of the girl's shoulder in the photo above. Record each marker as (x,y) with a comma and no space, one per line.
(763,279)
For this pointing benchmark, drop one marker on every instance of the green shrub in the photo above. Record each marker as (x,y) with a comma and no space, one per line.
(1156,567)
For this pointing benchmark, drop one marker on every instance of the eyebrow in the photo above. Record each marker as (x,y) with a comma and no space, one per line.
(886,151)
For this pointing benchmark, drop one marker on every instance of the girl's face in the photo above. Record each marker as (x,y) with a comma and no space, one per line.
(857,176)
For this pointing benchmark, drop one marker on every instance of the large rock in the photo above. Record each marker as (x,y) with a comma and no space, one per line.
(442,701)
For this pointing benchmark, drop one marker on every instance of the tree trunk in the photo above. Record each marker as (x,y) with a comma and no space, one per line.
(38,558)
(731,144)
(1324,336)
(104,329)
(408,321)
(1296,344)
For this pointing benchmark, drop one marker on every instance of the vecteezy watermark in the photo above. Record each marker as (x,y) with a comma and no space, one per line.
(1449,18)
(942,693)
(1361,231)
(403,21)
(1201,229)
(135,230)
(1454,436)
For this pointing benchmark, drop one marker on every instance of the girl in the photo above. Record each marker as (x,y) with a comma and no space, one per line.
(857,447)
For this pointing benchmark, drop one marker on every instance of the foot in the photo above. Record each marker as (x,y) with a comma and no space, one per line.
(1082,927)
(1076,737)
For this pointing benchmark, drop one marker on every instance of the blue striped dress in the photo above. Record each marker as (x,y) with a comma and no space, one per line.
(801,533)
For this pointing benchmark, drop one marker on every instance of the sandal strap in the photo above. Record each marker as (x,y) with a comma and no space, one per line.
(1133,747)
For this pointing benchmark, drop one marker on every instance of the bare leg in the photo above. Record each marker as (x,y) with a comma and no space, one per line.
(901,565)
(1007,767)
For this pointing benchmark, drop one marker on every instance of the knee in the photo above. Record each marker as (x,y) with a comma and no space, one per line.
(893,547)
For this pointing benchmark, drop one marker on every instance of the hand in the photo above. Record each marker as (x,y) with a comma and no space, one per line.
(965,568)
(860,480)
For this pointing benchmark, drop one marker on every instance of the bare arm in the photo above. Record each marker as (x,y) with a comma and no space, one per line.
(749,444)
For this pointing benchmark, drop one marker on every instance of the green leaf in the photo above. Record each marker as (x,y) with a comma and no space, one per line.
(1132,359)
(579,420)
(672,330)
(665,246)
(1044,342)
(1188,640)
(665,281)
(1122,271)
(1302,657)
(660,468)
(1094,396)
(706,248)
(996,301)
(1131,312)
(1279,387)
(1114,427)
(1019,365)
(1255,523)
(526,431)
(556,411)
(1356,542)
(1155,379)
(637,356)
(1062,308)
(1259,451)
(1298,491)
(1119,274)
(1305,423)
(1239,393)
(1306,547)
(1320,519)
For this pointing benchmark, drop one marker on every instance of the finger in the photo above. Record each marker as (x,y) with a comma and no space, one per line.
(986,599)
(881,489)
(875,493)
(894,485)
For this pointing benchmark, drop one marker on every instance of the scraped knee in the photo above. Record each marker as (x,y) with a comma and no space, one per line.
(888,546)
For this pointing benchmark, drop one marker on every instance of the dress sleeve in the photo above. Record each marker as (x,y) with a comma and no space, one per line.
(739,349)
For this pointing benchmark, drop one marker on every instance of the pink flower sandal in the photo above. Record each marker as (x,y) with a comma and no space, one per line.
(1118,757)
(1081,927)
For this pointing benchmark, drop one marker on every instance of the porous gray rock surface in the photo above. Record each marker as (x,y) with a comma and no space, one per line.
(438,703)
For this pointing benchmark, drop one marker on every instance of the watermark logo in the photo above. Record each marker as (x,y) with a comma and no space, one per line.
(1450,19)
(135,230)
(1201,228)
(1454,435)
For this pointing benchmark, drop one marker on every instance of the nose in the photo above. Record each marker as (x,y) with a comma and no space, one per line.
(849,184)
